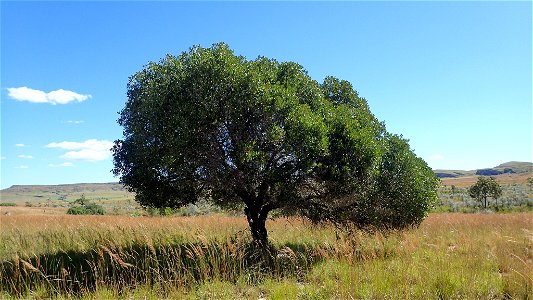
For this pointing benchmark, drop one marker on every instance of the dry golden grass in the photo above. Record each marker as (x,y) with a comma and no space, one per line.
(467,256)
(467,181)
(37,222)
(6,211)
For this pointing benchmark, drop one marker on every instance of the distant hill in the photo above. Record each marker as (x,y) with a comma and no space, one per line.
(513,167)
(508,173)
(114,193)
(517,167)
(66,188)
(64,193)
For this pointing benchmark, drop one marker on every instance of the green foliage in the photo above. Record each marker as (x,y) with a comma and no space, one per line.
(81,201)
(161,211)
(403,181)
(200,208)
(83,207)
(262,134)
(77,210)
(8,204)
(485,187)
(515,197)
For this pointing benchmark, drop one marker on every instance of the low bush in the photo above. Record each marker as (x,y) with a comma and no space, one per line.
(83,207)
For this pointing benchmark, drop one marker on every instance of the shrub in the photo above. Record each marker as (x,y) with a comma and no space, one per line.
(83,207)
(77,210)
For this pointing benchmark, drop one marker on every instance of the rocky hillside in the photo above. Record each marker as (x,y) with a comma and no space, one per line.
(513,167)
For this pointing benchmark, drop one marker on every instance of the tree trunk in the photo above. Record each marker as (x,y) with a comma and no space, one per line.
(256,220)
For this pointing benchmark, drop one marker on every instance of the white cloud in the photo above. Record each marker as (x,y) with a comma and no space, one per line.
(86,154)
(60,96)
(74,122)
(22,167)
(19,145)
(3,157)
(65,164)
(436,157)
(91,150)
(25,156)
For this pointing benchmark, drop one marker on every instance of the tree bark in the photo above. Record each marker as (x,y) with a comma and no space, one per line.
(257,221)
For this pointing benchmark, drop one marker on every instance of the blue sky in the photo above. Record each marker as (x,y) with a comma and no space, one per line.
(454,78)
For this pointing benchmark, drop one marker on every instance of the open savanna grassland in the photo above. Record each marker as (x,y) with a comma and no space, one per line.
(65,192)
(503,179)
(35,211)
(450,256)
(517,194)
(45,198)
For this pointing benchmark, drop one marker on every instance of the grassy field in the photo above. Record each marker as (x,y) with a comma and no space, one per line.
(56,199)
(504,179)
(517,194)
(451,256)
(50,199)
(65,192)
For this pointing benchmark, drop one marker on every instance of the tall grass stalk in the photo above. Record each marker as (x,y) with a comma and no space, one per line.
(449,256)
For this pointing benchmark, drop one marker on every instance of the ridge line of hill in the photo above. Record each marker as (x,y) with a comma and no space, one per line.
(512,167)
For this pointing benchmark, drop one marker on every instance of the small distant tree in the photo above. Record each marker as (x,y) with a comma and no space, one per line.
(81,200)
(485,187)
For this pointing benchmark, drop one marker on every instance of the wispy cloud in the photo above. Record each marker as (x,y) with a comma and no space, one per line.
(25,156)
(19,145)
(22,167)
(3,157)
(60,96)
(65,164)
(74,122)
(90,150)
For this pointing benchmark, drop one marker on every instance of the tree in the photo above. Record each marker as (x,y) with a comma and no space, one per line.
(485,187)
(263,135)
(81,200)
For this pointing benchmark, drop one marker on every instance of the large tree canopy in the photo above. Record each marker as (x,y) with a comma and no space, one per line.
(265,136)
